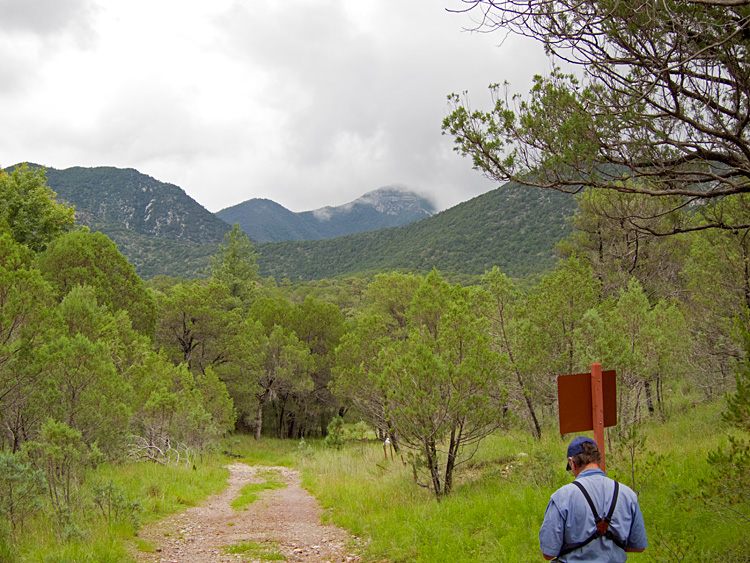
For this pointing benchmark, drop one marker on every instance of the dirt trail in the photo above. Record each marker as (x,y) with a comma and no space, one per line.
(286,520)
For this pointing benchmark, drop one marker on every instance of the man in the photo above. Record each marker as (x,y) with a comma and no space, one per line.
(570,531)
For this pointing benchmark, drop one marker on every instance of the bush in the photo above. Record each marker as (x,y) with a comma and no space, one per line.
(21,489)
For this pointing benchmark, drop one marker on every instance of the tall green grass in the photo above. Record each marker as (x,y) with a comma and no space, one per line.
(268,451)
(493,514)
(150,492)
(497,507)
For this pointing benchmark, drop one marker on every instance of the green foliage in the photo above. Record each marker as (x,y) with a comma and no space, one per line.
(632,463)
(21,488)
(28,208)
(27,313)
(726,489)
(92,259)
(358,379)
(738,402)
(728,485)
(195,323)
(648,347)
(335,435)
(115,507)
(620,124)
(618,250)
(63,456)
(234,267)
(442,382)
(176,412)
(549,327)
(81,372)
(503,305)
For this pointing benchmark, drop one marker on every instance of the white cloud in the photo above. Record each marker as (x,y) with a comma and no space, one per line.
(47,18)
(306,102)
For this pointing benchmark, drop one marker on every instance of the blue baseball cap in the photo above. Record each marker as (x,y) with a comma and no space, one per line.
(576,447)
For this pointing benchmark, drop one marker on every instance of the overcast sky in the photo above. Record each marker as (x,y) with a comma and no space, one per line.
(305,102)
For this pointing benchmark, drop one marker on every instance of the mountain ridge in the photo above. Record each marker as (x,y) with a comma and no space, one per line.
(390,206)
(107,195)
(513,227)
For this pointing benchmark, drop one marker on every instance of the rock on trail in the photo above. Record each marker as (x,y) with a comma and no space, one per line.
(285,520)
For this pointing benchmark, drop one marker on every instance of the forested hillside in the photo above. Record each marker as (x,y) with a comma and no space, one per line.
(511,227)
(161,231)
(266,221)
(157,226)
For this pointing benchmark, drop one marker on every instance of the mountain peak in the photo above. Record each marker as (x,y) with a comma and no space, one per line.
(389,206)
(395,200)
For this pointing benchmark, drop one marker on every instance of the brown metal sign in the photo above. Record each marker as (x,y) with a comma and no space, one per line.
(575,401)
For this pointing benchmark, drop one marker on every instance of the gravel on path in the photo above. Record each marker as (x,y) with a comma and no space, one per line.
(286,520)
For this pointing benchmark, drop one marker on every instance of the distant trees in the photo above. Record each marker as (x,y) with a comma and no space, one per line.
(196,322)
(234,267)
(28,209)
(617,252)
(78,373)
(92,259)
(660,107)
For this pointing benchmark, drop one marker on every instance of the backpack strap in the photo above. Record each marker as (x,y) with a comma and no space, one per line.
(602,524)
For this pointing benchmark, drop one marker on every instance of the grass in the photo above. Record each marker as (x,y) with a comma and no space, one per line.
(497,506)
(149,492)
(249,493)
(268,451)
(493,514)
(266,551)
(165,490)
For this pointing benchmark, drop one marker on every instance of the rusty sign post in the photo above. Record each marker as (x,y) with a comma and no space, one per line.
(588,401)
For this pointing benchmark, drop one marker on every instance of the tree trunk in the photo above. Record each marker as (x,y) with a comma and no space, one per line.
(259,413)
(526,395)
(649,400)
(450,464)
(292,428)
(430,451)
(394,439)
(530,407)
(746,261)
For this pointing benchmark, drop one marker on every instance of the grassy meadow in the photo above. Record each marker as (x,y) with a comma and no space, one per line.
(493,514)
